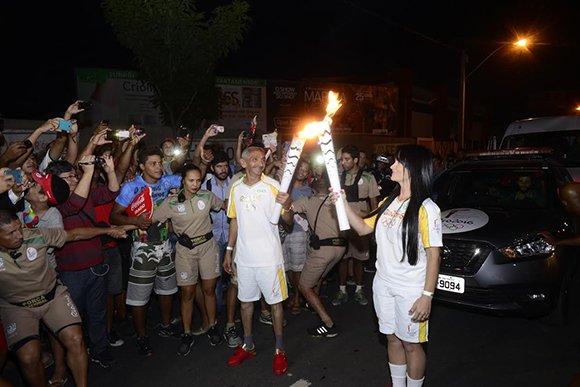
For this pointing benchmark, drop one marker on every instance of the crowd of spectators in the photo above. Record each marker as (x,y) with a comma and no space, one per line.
(107,262)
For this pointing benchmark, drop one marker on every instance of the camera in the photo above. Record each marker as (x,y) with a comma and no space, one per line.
(117,135)
(84,105)
(97,161)
(17,173)
(139,131)
(27,144)
(314,241)
(64,125)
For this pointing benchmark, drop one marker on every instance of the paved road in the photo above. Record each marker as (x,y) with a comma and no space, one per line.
(466,349)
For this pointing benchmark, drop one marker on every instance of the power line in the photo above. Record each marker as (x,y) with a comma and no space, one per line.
(401,26)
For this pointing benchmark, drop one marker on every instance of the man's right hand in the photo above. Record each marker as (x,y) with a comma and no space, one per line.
(87,163)
(228,262)
(143,221)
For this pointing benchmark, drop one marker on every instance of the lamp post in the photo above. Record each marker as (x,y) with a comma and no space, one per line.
(522,43)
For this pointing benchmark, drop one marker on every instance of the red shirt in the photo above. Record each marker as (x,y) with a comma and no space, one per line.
(81,212)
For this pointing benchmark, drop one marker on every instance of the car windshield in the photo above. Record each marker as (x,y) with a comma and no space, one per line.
(502,189)
(566,143)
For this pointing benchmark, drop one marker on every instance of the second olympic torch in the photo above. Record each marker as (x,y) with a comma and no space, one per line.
(292,159)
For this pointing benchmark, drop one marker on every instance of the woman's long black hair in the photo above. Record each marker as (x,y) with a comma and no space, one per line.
(418,161)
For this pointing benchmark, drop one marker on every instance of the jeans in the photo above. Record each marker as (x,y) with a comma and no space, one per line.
(88,289)
(223,280)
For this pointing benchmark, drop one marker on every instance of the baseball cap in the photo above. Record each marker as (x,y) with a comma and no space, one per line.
(55,188)
(383,158)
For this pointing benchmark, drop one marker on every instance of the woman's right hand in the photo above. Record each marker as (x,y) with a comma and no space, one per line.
(335,196)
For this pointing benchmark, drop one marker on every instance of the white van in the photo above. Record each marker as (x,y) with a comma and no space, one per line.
(562,133)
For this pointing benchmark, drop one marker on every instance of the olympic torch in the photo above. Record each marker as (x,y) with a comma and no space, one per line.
(292,159)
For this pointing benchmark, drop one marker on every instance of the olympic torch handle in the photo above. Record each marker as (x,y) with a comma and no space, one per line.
(340,209)
(292,159)
(284,185)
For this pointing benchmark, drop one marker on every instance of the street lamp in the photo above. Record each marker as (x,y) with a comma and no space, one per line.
(520,44)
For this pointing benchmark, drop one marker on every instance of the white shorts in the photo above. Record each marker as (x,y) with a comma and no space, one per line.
(269,281)
(392,306)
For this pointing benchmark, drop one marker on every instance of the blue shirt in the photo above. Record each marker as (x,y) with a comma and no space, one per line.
(159,192)
(220,225)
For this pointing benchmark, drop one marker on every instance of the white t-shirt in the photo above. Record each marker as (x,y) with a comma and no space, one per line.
(258,242)
(388,234)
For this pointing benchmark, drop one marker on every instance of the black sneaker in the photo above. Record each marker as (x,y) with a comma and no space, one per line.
(168,331)
(103,359)
(114,339)
(214,337)
(323,330)
(233,340)
(185,345)
(144,346)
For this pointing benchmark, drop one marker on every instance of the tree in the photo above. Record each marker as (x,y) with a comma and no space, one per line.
(176,49)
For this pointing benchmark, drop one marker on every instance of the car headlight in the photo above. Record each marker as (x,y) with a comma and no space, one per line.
(531,247)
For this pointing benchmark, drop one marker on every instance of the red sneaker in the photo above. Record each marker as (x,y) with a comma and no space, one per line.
(240,355)
(280,364)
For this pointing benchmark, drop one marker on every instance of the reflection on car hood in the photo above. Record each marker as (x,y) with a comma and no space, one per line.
(504,227)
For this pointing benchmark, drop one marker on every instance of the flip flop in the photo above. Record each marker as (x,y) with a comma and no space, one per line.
(57,382)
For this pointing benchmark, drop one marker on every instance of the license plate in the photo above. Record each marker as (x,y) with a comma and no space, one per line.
(449,283)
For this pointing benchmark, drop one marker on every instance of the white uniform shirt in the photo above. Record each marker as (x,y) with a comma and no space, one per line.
(258,242)
(388,234)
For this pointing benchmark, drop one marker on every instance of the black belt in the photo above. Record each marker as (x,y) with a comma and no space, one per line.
(333,242)
(190,243)
(37,301)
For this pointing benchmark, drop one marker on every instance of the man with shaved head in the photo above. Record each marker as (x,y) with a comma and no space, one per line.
(569,195)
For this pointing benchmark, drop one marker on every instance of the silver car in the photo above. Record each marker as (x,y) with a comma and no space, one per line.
(493,207)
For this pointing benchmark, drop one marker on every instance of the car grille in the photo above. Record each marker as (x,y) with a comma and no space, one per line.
(476,296)
(463,257)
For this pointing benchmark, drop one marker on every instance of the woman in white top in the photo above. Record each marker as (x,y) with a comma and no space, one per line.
(407,227)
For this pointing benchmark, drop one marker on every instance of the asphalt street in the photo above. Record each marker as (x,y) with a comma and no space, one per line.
(465,349)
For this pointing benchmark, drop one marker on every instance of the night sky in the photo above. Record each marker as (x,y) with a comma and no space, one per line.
(348,41)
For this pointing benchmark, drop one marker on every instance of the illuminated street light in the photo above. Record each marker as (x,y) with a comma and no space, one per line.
(520,44)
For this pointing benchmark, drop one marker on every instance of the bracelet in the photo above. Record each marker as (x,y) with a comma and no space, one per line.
(428,293)
(229,248)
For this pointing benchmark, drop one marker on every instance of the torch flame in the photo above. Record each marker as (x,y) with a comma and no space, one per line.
(315,128)
(333,104)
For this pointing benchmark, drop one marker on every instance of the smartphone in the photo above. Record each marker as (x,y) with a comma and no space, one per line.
(64,125)
(17,173)
(183,131)
(85,105)
(117,135)
(219,128)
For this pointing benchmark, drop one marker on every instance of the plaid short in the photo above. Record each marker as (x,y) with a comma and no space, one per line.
(152,268)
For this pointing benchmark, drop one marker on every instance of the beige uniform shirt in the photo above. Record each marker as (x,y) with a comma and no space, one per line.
(327,224)
(190,217)
(367,188)
(29,275)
